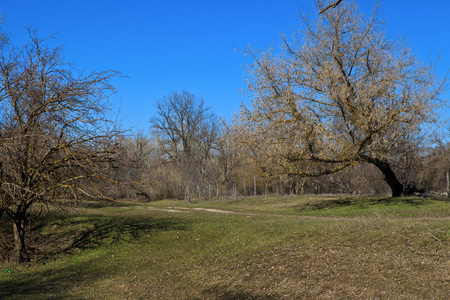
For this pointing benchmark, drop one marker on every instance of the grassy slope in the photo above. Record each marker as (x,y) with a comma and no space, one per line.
(387,249)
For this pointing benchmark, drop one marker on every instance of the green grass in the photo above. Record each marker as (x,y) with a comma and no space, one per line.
(313,205)
(377,248)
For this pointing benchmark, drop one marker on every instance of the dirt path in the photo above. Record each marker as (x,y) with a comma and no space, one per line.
(229,212)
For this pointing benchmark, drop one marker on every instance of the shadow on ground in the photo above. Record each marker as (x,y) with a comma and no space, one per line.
(99,204)
(67,235)
(361,201)
(60,233)
(93,231)
(51,284)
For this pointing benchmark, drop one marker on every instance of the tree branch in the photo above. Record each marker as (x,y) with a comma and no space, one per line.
(332,5)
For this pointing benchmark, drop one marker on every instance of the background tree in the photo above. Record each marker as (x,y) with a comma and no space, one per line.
(340,93)
(139,157)
(55,139)
(435,171)
(227,157)
(187,133)
(255,154)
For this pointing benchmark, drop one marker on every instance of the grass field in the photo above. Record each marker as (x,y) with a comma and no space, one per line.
(310,247)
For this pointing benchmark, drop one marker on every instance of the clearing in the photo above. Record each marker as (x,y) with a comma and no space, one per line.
(310,247)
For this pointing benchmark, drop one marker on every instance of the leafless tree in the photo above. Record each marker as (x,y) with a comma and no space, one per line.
(55,139)
(139,150)
(226,159)
(187,132)
(138,157)
(181,122)
(435,173)
(339,93)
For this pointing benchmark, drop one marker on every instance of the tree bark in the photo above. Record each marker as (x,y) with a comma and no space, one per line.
(389,175)
(20,249)
(187,194)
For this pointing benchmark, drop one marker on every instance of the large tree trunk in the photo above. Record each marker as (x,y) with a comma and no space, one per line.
(389,175)
(20,248)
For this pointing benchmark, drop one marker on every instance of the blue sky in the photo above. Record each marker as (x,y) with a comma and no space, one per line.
(164,46)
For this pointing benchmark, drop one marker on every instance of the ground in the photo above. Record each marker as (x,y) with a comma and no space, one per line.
(310,247)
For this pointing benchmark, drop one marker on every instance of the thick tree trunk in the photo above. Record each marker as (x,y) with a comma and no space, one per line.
(20,248)
(389,175)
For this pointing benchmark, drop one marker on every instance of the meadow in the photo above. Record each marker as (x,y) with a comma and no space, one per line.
(309,247)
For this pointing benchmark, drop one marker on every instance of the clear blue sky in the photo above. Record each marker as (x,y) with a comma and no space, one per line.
(169,45)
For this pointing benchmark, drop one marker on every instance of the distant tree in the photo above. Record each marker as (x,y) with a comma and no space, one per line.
(55,139)
(139,150)
(338,94)
(140,161)
(255,154)
(187,133)
(182,123)
(227,161)
(435,174)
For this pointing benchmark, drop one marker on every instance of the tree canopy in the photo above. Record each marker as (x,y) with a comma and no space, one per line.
(339,92)
(56,141)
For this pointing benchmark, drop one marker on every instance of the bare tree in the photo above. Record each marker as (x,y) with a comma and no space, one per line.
(226,158)
(138,157)
(435,173)
(187,131)
(181,122)
(339,93)
(55,140)
(139,150)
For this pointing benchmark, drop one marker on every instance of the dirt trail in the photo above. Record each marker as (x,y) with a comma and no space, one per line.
(230,212)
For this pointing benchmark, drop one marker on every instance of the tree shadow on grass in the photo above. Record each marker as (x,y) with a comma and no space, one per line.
(113,230)
(97,204)
(67,235)
(360,202)
(58,283)
(89,232)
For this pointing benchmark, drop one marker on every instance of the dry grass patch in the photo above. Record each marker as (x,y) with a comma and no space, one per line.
(358,260)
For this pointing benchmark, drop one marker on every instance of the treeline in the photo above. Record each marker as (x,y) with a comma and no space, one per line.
(189,152)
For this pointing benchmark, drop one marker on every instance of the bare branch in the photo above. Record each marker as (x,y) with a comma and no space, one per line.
(55,138)
(332,5)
